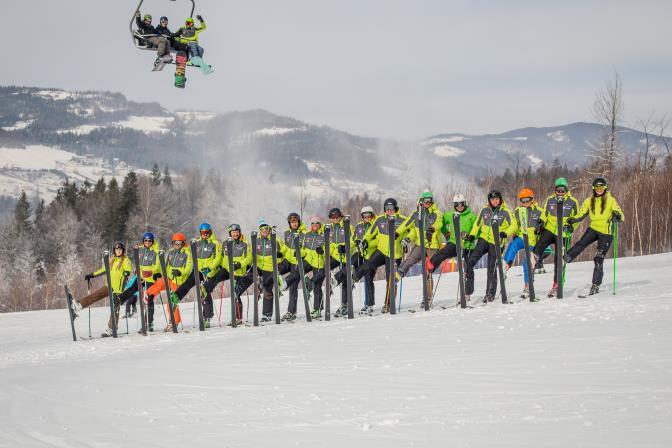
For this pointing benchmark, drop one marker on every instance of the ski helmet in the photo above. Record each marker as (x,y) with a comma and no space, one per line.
(163,19)
(119,245)
(262,223)
(295,216)
(147,17)
(315,220)
(205,227)
(494,194)
(189,20)
(426,195)
(233,227)
(561,182)
(390,204)
(335,213)
(600,182)
(459,198)
(179,237)
(526,193)
(148,236)
(367,209)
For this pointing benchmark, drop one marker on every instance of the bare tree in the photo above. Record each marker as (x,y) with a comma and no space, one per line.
(608,111)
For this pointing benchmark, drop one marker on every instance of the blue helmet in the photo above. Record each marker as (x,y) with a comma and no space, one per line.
(148,236)
(205,226)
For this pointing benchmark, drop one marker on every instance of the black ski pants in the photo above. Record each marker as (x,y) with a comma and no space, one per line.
(209,286)
(546,239)
(370,267)
(292,282)
(130,297)
(446,252)
(482,248)
(603,244)
(369,288)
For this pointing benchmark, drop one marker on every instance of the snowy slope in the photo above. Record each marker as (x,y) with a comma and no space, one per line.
(576,372)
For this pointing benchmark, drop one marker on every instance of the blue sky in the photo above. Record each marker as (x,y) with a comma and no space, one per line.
(400,69)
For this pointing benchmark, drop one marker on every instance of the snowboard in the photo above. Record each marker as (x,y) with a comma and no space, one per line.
(197,61)
(159,65)
(180,69)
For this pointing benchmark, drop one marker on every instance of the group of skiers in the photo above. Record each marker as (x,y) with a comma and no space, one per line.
(374,239)
(183,40)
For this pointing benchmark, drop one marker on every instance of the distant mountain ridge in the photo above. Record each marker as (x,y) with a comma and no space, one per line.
(259,148)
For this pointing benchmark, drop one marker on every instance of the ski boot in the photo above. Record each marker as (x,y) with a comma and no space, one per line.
(594,289)
(150,326)
(206,323)
(428,265)
(76,307)
(316,314)
(266,318)
(169,328)
(553,291)
(366,311)
(289,317)
(342,311)
(526,292)
(107,333)
(386,309)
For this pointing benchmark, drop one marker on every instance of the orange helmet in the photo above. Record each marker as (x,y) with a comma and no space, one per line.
(179,237)
(525,193)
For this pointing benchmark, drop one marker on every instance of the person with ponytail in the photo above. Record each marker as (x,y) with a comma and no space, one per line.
(603,211)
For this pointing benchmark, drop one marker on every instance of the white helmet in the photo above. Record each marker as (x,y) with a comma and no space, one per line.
(459,198)
(367,209)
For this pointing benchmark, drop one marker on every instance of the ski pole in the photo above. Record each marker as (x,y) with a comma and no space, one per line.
(163,308)
(615,253)
(401,292)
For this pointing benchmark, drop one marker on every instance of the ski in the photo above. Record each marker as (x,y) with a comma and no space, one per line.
(348,267)
(138,279)
(197,283)
(460,260)
(302,274)
(180,69)
(327,272)
(276,290)
(110,293)
(71,312)
(498,254)
(423,256)
(255,280)
(528,262)
(234,312)
(559,246)
(392,286)
(164,273)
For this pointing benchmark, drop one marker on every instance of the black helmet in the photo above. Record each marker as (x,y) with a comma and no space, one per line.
(600,182)
(233,227)
(390,203)
(295,216)
(335,213)
(495,194)
(119,245)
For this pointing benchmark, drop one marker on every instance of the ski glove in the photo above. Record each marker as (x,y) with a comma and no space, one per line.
(363,245)
(176,272)
(538,227)
(469,238)
(405,243)
(430,233)
(237,265)
(567,228)
(502,236)
(617,216)
(319,250)
(571,221)
(341,249)
(205,272)
(199,17)
(88,277)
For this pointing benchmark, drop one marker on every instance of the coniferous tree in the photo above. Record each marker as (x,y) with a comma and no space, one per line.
(22,213)
(156,174)
(167,180)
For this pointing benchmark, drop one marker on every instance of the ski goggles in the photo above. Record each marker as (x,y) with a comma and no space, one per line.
(525,200)
(600,188)
(293,219)
(178,242)
(233,227)
(366,215)
(148,239)
(119,246)
(562,190)
(389,207)
(205,232)
(164,20)
(459,204)
(426,201)
(189,22)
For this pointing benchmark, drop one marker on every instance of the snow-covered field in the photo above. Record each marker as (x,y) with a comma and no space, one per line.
(561,373)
